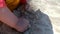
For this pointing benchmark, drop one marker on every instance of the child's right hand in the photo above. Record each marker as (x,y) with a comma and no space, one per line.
(22,24)
(10,19)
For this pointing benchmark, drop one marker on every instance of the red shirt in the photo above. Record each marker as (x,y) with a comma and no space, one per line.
(2,3)
(23,1)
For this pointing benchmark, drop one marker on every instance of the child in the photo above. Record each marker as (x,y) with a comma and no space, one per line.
(7,17)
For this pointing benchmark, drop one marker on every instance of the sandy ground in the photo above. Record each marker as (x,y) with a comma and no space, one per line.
(44,17)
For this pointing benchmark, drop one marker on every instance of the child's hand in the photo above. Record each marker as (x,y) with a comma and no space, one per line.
(10,19)
(22,25)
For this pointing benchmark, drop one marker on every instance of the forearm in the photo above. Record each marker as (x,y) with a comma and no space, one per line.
(8,17)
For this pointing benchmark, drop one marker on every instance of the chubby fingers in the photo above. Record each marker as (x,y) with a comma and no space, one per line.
(22,24)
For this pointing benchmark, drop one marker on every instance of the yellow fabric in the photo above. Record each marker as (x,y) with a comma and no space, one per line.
(12,4)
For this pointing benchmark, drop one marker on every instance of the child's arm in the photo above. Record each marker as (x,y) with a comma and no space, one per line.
(7,17)
(10,19)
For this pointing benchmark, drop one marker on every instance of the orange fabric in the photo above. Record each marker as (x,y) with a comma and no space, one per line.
(12,4)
